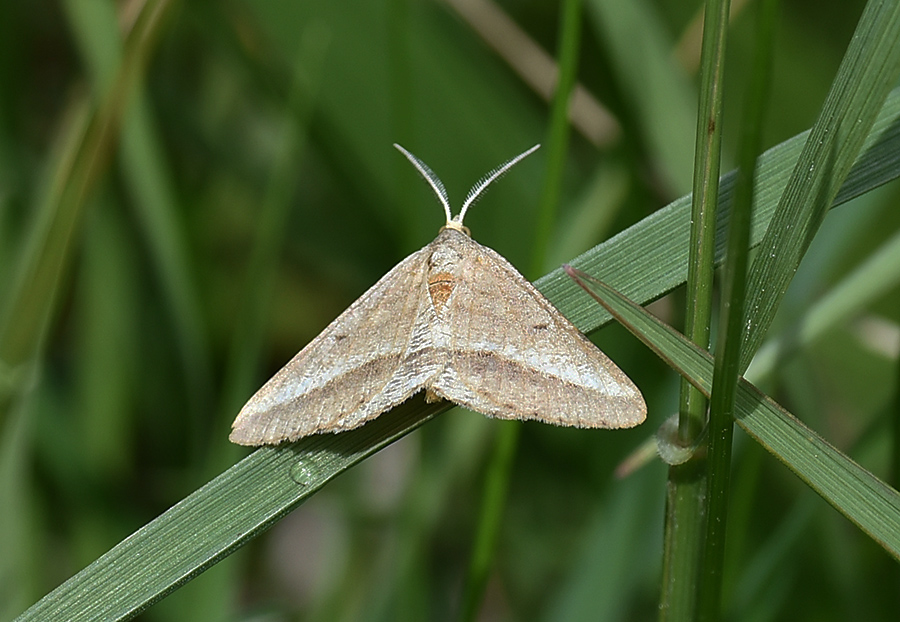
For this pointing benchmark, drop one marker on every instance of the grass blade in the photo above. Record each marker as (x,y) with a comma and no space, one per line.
(856,493)
(686,498)
(216,519)
(49,251)
(728,346)
(869,70)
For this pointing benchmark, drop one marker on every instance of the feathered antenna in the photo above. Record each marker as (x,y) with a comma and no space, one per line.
(474,194)
(487,180)
(433,180)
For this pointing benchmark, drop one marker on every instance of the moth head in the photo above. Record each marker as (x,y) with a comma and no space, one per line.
(456,222)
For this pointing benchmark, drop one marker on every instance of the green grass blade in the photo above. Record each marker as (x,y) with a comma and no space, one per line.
(490,517)
(856,493)
(30,300)
(216,519)
(707,158)
(869,70)
(148,176)
(600,584)
(728,346)
(557,144)
(686,498)
(151,183)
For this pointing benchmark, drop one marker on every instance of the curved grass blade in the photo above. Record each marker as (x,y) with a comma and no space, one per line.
(868,502)
(869,69)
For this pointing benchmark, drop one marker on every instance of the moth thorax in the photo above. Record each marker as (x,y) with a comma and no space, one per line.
(448,256)
(443,267)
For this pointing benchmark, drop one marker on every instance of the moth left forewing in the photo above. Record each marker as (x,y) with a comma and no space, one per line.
(369,359)
(515,356)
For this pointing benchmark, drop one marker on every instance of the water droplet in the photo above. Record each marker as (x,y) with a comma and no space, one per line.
(300,474)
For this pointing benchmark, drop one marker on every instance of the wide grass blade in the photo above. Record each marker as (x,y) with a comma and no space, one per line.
(216,519)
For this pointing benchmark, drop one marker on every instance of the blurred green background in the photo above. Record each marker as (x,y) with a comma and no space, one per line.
(252,194)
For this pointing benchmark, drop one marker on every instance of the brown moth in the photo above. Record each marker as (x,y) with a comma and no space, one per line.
(456,320)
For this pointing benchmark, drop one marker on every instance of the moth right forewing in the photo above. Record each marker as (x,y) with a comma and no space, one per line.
(515,356)
(346,375)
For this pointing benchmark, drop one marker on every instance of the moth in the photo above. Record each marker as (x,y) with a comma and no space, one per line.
(456,320)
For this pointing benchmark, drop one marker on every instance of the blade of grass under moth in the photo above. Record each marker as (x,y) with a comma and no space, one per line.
(219,517)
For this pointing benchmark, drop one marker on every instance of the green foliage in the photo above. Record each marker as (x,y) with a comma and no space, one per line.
(190,193)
